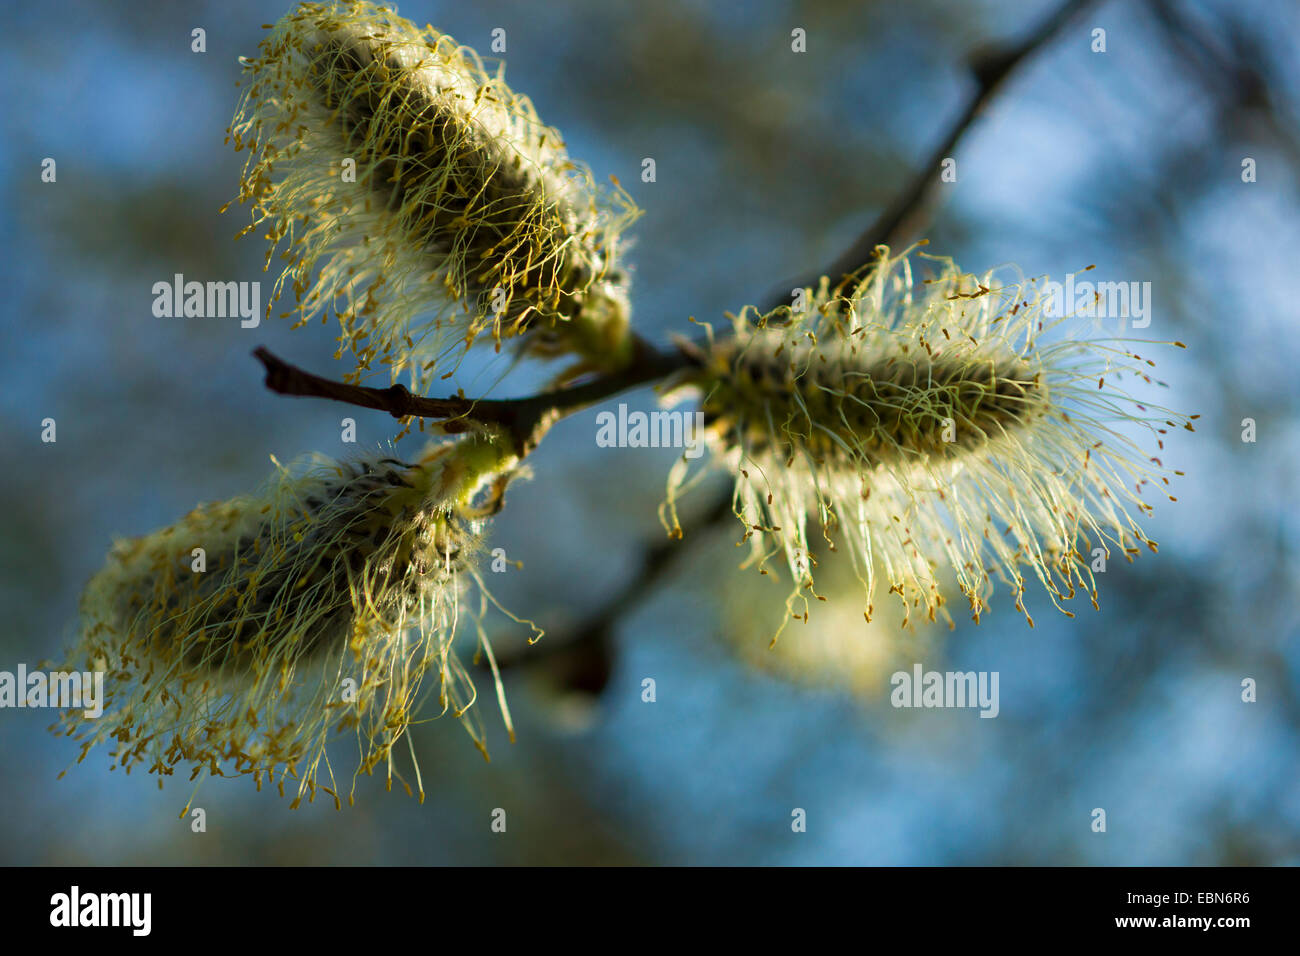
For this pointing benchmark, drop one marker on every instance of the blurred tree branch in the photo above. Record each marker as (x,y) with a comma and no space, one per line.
(1231,67)
(902,218)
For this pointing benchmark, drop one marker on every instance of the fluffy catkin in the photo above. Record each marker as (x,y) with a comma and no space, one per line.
(317,605)
(930,425)
(421,200)
(839,649)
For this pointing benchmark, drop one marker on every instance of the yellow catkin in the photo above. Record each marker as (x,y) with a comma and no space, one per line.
(413,195)
(938,429)
(318,605)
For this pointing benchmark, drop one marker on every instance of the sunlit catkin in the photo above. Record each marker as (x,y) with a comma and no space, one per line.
(419,199)
(927,425)
(237,640)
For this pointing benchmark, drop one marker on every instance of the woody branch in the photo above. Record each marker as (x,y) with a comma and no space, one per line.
(524,419)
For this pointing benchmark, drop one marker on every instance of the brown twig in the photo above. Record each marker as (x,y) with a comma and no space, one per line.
(397,400)
(526,420)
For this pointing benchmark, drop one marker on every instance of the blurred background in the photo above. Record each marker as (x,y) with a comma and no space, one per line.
(768,164)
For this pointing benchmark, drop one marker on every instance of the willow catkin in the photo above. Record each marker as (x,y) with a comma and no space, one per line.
(421,200)
(238,639)
(839,651)
(931,426)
